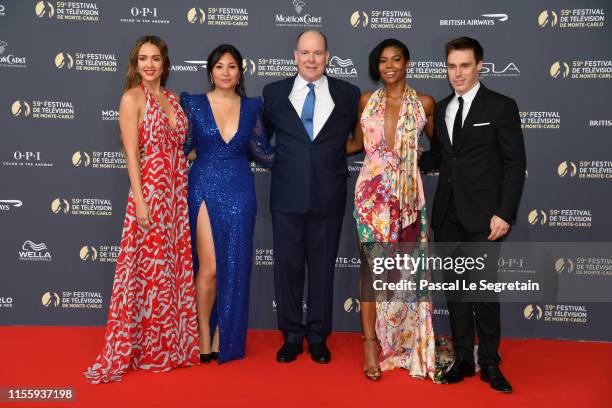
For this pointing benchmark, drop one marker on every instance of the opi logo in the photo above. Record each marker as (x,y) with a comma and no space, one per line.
(143,12)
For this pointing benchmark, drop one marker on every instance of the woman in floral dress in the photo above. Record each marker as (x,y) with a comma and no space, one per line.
(389,209)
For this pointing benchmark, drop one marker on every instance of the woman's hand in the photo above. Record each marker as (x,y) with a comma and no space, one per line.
(144,216)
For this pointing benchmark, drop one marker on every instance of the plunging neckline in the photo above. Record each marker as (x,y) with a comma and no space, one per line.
(217,126)
(166,94)
(384,137)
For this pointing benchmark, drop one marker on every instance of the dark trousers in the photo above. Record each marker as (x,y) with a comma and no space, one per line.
(466,312)
(300,240)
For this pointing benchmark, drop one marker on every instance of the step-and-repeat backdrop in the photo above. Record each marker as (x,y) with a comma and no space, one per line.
(63,182)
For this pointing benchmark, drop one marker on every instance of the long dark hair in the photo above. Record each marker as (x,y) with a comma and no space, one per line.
(132,77)
(216,55)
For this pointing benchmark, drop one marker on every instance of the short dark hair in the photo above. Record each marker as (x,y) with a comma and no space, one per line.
(216,55)
(375,54)
(465,43)
(312,31)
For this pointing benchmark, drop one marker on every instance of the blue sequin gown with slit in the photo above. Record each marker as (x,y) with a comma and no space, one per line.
(221,177)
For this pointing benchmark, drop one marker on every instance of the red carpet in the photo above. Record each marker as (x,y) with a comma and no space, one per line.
(544,374)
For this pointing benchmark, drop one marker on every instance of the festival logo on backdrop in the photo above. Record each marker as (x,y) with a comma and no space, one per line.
(572,18)
(582,69)
(82,206)
(100,253)
(99,159)
(68,11)
(557,313)
(586,169)
(86,61)
(43,109)
(426,70)
(540,120)
(276,67)
(382,19)
(561,218)
(219,16)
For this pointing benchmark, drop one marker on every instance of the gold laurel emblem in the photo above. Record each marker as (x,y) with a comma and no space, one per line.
(50,299)
(359,18)
(559,69)
(248,66)
(81,159)
(44,8)
(64,60)
(60,205)
(532,312)
(88,253)
(352,305)
(20,108)
(537,216)
(564,265)
(566,168)
(547,18)
(196,15)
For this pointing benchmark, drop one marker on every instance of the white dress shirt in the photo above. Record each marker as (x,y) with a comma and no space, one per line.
(324,104)
(453,107)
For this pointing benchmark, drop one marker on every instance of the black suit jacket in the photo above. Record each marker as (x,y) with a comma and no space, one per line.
(485,169)
(309,175)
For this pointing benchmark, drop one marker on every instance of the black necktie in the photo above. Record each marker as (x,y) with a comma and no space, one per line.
(458,122)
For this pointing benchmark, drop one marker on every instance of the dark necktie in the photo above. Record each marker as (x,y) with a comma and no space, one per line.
(458,123)
(308,111)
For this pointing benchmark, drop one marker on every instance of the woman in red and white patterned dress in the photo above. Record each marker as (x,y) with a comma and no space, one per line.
(152,322)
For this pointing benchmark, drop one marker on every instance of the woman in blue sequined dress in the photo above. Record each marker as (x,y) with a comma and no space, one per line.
(226,132)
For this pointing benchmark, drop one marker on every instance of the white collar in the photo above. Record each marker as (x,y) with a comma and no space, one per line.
(469,95)
(302,83)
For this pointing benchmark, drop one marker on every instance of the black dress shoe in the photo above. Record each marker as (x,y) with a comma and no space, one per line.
(206,358)
(458,371)
(494,376)
(319,353)
(215,355)
(289,352)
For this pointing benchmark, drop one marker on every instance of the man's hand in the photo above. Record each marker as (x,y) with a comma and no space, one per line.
(499,228)
(419,152)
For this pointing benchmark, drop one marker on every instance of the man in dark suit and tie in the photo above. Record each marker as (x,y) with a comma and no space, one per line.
(479,150)
(311,116)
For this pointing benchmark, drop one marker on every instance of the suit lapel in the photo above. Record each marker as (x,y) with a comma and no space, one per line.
(475,109)
(291,113)
(335,95)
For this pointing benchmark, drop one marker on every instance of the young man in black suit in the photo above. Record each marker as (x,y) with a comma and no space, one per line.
(479,150)
(311,116)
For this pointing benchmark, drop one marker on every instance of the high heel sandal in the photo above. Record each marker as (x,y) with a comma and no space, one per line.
(371,373)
